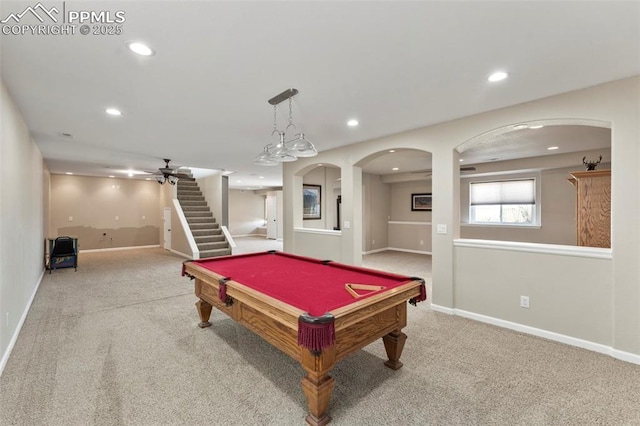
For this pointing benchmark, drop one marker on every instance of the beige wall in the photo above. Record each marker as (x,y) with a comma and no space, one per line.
(93,204)
(327,178)
(22,202)
(616,103)
(401,201)
(376,212)
(557,203)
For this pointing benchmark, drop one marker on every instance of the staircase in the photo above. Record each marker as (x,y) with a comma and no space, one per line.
(207,233)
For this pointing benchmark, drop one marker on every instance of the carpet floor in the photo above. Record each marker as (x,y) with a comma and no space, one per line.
(117,343)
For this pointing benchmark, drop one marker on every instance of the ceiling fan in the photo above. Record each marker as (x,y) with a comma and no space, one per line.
(428,172)
(168,174)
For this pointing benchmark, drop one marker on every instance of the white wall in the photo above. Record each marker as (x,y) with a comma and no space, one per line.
(617,103)
(246,212)
(22,195)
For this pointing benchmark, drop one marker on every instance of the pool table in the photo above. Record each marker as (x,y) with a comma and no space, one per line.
(315,311)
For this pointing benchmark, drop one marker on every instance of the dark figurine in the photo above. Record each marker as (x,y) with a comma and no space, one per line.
(591,165)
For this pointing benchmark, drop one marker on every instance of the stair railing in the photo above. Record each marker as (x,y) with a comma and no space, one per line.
(186,229)
(227,235)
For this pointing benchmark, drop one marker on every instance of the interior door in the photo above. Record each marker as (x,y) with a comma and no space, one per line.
(166,219)
(272,217)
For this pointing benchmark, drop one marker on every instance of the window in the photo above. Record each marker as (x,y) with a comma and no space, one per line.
(505,202)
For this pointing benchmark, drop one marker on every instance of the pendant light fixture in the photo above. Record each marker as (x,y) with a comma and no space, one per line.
(285,150)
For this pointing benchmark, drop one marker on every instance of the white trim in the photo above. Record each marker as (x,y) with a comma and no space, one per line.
(118,248)
(407,222)
(14,338)
(496,225)
(318,231)
(179,253)
(408,251)
(557,249)
(442,309)
(550,335)
(227,235)
(375,251)
(186,228)
(625,356)
(395,249)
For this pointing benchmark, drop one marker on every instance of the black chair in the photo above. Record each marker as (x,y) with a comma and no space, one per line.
(63,251)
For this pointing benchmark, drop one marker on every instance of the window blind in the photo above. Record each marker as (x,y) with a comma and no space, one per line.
(522,191)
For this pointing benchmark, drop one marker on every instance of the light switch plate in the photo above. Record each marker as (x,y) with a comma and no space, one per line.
(441,229)
(347,224)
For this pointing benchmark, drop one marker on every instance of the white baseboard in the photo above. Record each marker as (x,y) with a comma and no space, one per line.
(409,251)
(395,249)
(556,337)
(180,254)
(14,338)
(118,248)
(380,250)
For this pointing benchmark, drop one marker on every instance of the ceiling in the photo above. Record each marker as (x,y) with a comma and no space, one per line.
(201,100)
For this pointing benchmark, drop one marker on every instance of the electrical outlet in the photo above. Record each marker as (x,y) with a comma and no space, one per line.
(421,242)
(373,242)
(524,302)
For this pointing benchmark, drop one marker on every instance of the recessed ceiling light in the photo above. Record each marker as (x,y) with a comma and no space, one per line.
(113,111)
(147,178)
(140,48)
(69,173)
(395,168)
(539,126)
(392,150)
(111,176)
(553,148)
(239,181)
(461,159)
(520,127)
(130,174)
(260,177)
(498,76)
(352,123)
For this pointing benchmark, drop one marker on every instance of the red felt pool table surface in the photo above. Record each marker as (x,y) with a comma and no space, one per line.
(312,285)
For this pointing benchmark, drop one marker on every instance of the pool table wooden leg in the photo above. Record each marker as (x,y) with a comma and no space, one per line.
(394,344)
(318,394)
(204,310)
(318,385)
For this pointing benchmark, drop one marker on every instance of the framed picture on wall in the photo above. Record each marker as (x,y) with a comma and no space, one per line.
(421,202)
(311,201)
